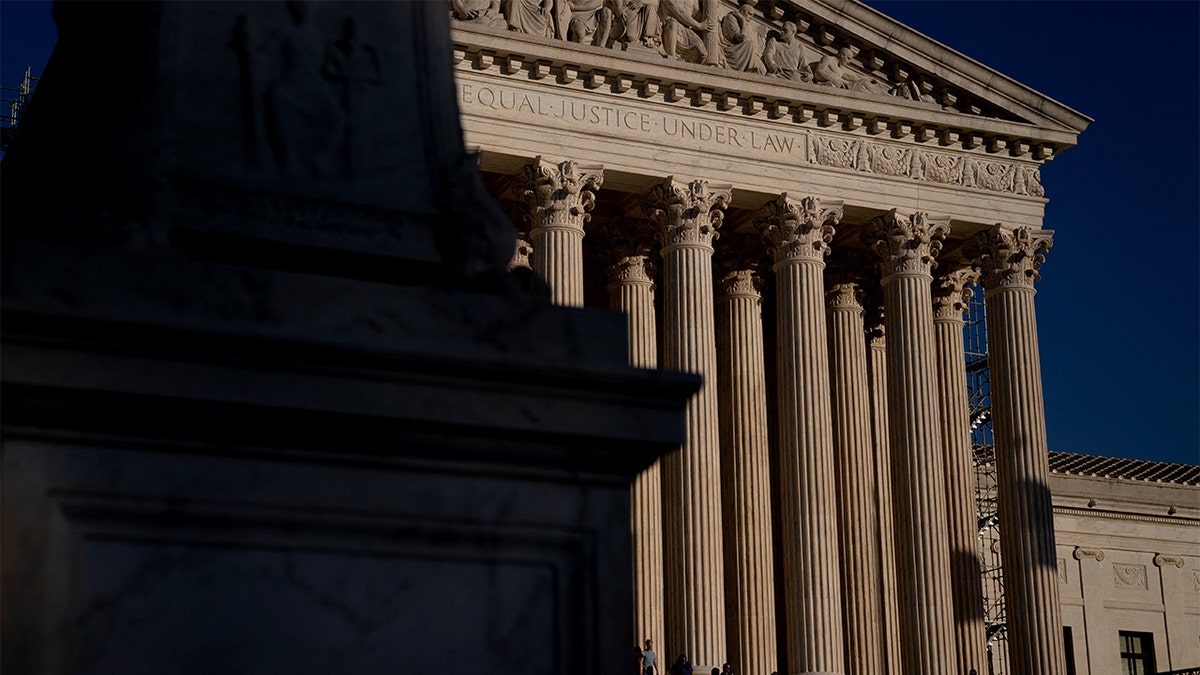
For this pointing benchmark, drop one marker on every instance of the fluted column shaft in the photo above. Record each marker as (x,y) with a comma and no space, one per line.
(745,476)
(1009,262)
(857,503)
(686,216)
(798,232)
(631,291)
(889,591)
(907,246)
(951,295)
(558,197)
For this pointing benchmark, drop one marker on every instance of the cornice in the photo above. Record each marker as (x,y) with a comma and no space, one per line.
(887,34)
(1119,515)
(646,76)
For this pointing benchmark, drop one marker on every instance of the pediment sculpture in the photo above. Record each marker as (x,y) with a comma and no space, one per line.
(709,32)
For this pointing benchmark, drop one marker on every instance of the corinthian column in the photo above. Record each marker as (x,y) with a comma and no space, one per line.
(630,290)
(798,232)
(558,197)
(907,246)
(745,474)
(877,373)
(1010,262)
(855,458)
(686,217)
(950,297)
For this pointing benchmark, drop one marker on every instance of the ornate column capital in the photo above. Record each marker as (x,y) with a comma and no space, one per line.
(799,228)
(521,254)
(952,293)
(907,244)
(845,295)
(1011,258)
(740,283)
(625,248)
(632,268)
(559,195)
(687,213)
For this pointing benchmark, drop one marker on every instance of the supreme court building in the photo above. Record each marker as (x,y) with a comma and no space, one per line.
(792,198)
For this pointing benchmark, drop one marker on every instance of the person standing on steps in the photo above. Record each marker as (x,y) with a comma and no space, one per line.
(649,659)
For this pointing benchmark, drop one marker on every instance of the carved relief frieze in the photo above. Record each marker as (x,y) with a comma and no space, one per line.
(929,166)
(1129,576)
(738,36)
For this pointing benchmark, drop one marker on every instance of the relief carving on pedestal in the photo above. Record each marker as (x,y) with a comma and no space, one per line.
(1129,576)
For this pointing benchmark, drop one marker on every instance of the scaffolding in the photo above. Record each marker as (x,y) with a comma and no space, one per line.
(979,389)
(15,100)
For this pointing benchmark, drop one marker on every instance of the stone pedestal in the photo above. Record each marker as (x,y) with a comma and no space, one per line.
(269,398)
(798,232)
(686,217)
(745,473)
(951,293)
(1010,262)
(907,246)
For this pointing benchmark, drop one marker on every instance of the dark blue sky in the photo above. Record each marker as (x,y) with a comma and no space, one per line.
(1119,300)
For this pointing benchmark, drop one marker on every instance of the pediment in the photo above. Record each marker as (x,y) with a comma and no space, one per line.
(836,61)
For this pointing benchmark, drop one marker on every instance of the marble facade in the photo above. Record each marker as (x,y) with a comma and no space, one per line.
(789,199)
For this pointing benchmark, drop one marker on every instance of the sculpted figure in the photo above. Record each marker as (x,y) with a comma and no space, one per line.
(786,57)
(533,17)
(689,31)
(832,71)
(742,40)
(637,23)
(478,12)
(583,21)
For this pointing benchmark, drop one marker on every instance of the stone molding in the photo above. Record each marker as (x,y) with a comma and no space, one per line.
(1162,559)
(907,244)
(1011,258)
(1080,553)
(952,293)
(1075,511)
(559,195)
(687,213)
(799,228)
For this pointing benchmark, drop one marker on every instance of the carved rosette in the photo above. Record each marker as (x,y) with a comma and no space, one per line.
(952,293)
(560,195)
(799,229)
(845,296)
(687,214)
(1011,258)
(907,244)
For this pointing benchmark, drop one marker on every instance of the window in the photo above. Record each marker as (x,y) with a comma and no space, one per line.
(1137,653)
(1069,643)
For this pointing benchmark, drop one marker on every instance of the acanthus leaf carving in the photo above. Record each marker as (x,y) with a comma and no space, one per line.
(1011,258)
(952,292)
(744,283)
(687,213)
(907,244)
(560,195)
(799,229)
